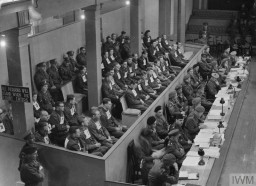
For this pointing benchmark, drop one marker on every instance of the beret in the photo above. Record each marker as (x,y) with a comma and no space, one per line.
(172,94)
(158,108)
(215,75)
(173,132)
(200,109)
(178,87)
(29,150)
(169,159)
(196,100)
(151,120)
(186,77)
(70,96)
(123,32)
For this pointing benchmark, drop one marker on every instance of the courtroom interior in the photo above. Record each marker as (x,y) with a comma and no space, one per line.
(127,92)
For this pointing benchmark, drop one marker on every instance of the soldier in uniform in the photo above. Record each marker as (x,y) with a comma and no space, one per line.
(44,98)
(74,65)
(164,171)
(156,142)
(56,80)
(65,69)
(133,99)
(147,39)
(81,57)
(174,106)
(125,49)
(41,75)
(162,125)
(212,87)
(204,102)
(70,111)
(31,171)
(59,124)
(174,147)
(114,128)
(195,102)
(205,69)
(182,100)
(42,134)
(192,125)
(183,138)
(187,89)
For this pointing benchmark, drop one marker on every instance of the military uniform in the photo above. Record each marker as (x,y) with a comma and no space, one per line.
(143,95)
(119,79)
(81,59)
(42,139)
(162,127)
(176,60)
(212,88)
(65,71)
(125,74)
(174,109)
(125,50)
(205,69)
(41,76)
(175,148)
(45,101)
(192,126)
(188,92)
(160,175)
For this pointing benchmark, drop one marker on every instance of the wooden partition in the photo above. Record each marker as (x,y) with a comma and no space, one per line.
(61,167)
(116,157)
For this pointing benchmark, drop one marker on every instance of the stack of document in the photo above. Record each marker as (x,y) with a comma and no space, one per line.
(184,175)
(213,152)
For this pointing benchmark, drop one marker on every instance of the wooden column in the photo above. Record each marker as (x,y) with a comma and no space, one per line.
(18,63)
(135,26)
(182,21)
(92,35)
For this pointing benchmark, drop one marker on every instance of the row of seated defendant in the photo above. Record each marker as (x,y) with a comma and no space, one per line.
(164,142)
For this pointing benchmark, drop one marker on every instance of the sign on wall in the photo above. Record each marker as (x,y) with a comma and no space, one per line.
(17,94)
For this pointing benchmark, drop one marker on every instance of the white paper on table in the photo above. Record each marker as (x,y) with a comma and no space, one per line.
(221,130)
(204,145)
(208,131)
(211,125)
(214,117)
(192,153)
(212,152)
(193,176)
(191,161)
(204,136)
(183,174)
(202,139)
(214,112)
(224,96)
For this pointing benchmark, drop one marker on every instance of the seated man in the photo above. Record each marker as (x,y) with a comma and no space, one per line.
(65,69)
(119,79)
(185,55)
(91,145)
(45,99)
(143,61)
(165,81)
(81,57)
(74,65)
(174,147)
(109,121)
(183,138)
(42,134)
(70,111)
(99,132)
(205,69)
(155,141)
(175,59)
(164,171)
(59,125)
(182,100)
(133,99)
(192,125)
(193,80)
(146,98)
(212,87)
(125,73)
(195,102)
(81,81)
(162,127)
(187,89)
(174,106)
(36,107)
(154,82)
(146,87)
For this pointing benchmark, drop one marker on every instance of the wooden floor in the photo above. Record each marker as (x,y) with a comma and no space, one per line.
(241,157)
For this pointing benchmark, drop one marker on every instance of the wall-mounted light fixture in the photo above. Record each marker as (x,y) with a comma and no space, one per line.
(2,41)
(127,2)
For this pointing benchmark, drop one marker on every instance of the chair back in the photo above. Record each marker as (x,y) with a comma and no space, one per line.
(123,103)
(67,89)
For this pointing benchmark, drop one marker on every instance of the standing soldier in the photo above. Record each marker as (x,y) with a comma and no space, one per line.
(187,89)
(212,87)
(65,69)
